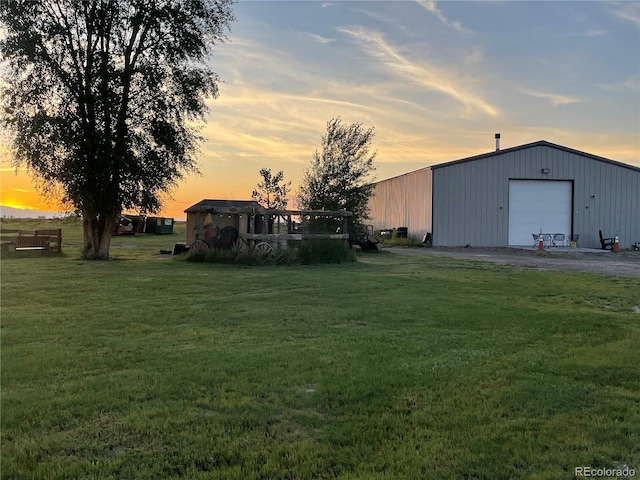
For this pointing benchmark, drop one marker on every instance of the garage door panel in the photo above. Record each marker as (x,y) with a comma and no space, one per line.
(536,205)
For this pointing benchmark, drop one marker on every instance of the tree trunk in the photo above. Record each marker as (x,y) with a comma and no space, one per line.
(97,231)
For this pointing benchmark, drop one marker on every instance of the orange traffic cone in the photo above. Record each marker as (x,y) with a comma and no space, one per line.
(616,244)
(540,242)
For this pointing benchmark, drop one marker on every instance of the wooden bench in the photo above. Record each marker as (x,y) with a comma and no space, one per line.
(37,242)
(55,235)
(26,240)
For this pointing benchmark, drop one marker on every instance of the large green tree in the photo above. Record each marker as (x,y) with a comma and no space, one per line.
(340,175)
(102,98)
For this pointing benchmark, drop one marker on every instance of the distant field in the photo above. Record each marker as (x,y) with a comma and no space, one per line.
(394,367)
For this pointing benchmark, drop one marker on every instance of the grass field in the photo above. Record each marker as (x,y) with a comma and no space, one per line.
(394,367)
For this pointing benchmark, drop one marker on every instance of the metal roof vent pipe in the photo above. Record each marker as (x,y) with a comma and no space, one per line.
(497,142)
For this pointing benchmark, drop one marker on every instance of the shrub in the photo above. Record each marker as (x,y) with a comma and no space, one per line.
(403,242)
(306,252)
(214,255)
(394,241)
(324,250)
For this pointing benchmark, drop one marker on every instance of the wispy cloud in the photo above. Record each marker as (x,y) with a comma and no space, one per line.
(432,7)
(321,39)
(629,11)
(381,17)
(631,84)
(554,98)
(587,33)
(327,4)
(427,76)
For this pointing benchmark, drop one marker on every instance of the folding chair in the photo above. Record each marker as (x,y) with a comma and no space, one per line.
(558,239)
(535,239)
(574,239)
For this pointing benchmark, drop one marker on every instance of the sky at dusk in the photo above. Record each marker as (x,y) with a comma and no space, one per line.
(435,79)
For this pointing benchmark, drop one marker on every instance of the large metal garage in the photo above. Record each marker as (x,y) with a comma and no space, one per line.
(503,197)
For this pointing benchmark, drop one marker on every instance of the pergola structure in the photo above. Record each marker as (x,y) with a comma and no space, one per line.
(231,223)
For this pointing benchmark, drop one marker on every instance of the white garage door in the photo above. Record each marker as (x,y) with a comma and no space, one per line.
(535,205)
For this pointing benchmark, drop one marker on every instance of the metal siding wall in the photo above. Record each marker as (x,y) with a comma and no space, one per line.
(418,203)
(468,197)
(403,201)
(467,201)
(615,208)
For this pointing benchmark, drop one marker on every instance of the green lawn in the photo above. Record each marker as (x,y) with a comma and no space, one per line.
(391,367)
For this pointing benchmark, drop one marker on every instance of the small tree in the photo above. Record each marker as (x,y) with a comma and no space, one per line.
(340,176)
(271,192)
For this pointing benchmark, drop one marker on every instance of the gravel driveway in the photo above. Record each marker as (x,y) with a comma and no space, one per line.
(626,264)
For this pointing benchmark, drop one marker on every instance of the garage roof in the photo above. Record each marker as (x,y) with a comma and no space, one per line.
(540,143)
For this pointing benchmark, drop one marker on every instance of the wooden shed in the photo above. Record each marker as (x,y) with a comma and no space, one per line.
(244,215)
(222,222)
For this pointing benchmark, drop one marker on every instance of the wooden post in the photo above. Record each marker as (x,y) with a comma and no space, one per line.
(199,226)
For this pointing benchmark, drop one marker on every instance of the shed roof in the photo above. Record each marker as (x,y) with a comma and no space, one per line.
(225,206)
(539,143)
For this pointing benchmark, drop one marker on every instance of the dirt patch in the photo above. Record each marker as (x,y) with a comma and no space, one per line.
(625,264)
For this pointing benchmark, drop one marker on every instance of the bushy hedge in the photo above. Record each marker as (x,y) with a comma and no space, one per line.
(306,252)
(323,250)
